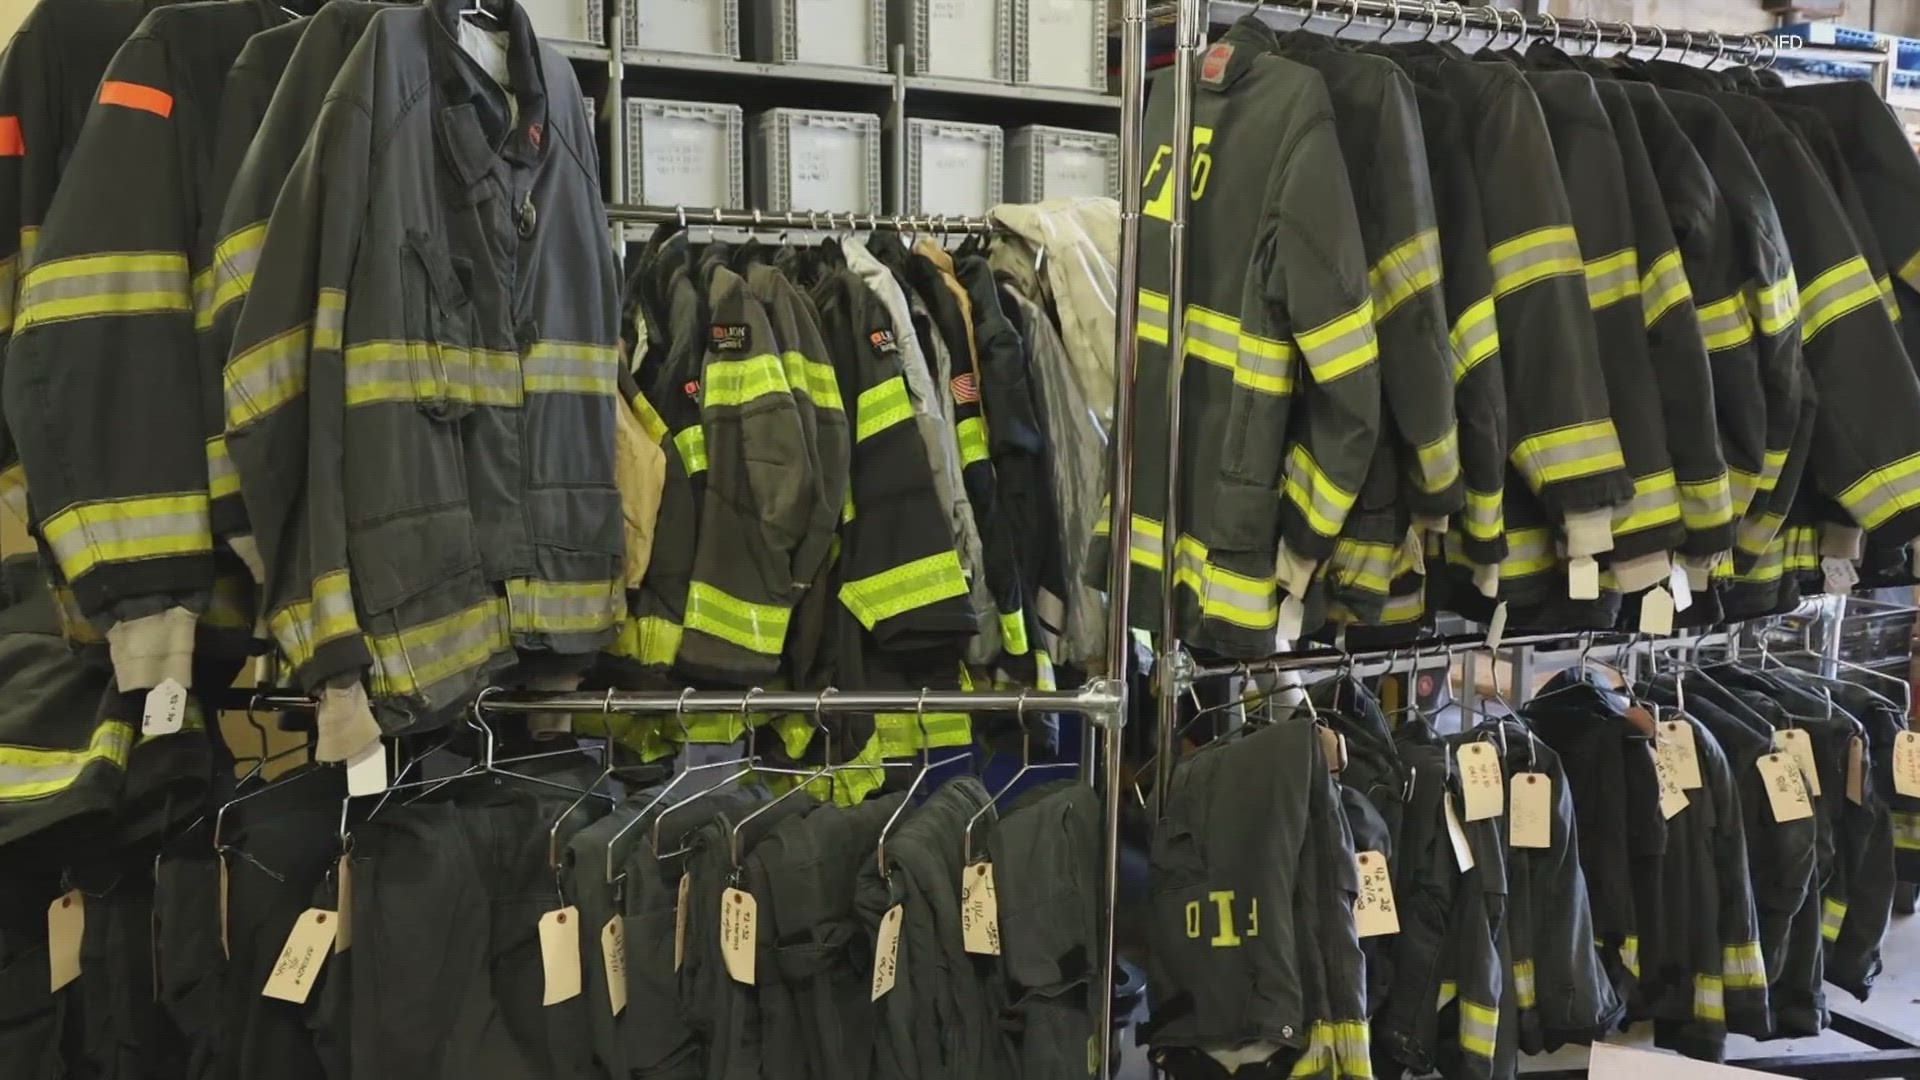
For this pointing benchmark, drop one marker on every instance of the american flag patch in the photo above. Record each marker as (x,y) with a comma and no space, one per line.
(965,390)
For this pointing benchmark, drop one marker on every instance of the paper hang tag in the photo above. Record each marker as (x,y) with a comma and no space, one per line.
(302,957)
(367,770)
(1293,615)
(1457,835)
(1673,797)
(1786,791)
(1583,579)
(680,922)
(66,925)
(613,955)
(739,929)
(560,955)
(1530,811)
(1333,746)
(1656,612)
(979,910)
(1906,764)
(166,709)
(343,915)
(1840,576)
(886,952)
(1857,771)
(1681,587)
(1497,628)
(1374,913)
(1481,780)
(1798,745)
(1675,741)
(1486,579)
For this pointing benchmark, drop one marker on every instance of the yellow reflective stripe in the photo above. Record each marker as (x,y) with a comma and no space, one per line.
(1484,517)
(567,367)
(85,535)
(1613,278)
(650,419)
(1523,984)
(1833,914)
(1664,285)
(1263,364)
(1534,256)
(122,283)
(1439,462)
(9,290)
(1404,609)
(734,383)
(1364,564)
(1476,336)
(1835,293)
(1709,998)
(329,320)
(1776,306)
(1569,453)
(1910,271)
(1769,566)
(563,607)
(1013,632)
(222,478)
(1212,336)
(1757,530)
(1145,533)
(1630,954)
(1887,299)
(203,299)
(692,442)
(1153,317)
(1529,552)
(972,433)
(881,407)
(1744,968)
(1318,1057)
(29,244)
(303,626)
(814,379)
(1906,830)
(649,639)
(760,628)
(1340,346)
(1402,273)
(231,606)
(1656,502)
(1745,486)
(1232,598)
(234,261)
(33,773)
(1352,1048)
(266,376)
(1448,991)
(901,734)
(1881,494)
(415,660)
(904,588)
(1324,503)
(1725,323)
(13,491)
(413,371)
(1479,1028)
(1707,504)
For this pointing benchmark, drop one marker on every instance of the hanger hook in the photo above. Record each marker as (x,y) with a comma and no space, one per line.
(1553,29)
(1430,15)
(1662,50)
(1719,47)
(1393,21)
(1520,29)
(1353,10)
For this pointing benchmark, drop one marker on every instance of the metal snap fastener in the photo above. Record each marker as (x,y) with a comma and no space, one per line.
(529,218)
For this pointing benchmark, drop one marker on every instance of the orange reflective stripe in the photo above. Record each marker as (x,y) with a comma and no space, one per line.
(12,143)
(135,96)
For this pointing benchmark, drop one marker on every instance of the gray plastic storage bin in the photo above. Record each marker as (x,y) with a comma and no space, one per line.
(953,168)
(684,153)
(955,39)
(841,33)
(569,20)
(702,27)
(1060,163)
(1044,37)
(807,159)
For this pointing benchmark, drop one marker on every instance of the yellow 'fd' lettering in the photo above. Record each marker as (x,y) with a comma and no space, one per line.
(1193,918)
(1223,902)
(1226,937)
(1160,174)
(1253,917)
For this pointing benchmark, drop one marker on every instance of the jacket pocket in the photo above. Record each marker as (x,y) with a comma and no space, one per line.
(440,360)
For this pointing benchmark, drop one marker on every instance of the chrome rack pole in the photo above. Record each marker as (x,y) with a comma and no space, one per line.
(1189,31)
(1570,30)
(1096,699)
(1133,100)
(762,219)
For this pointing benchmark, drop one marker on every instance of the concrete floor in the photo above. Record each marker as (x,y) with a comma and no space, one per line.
(1895,1003)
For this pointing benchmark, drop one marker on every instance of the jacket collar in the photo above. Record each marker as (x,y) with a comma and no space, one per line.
(474,125)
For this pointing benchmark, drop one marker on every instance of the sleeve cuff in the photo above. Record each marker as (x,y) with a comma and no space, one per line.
(150,650)
(1842,542)
(1642,572)
(345,723)
(1293,571)
(1589,532)
(245,546)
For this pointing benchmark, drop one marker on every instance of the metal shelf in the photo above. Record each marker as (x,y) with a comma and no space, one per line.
(580,50)
(644,59)
(972,88)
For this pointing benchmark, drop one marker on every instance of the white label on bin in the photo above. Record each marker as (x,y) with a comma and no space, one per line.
(1060,42)
(684,161)
(955,175)
(962,38)
(690,26)
(1071,172)
(833,32)
(828,169)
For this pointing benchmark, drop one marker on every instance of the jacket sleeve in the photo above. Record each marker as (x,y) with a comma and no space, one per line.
(1564,443)
(285,397)
(104,359)
(900,575)
(1479,386)
(23,125)
(1307,293)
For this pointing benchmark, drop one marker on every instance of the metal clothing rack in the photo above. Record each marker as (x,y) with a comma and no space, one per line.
(938,224)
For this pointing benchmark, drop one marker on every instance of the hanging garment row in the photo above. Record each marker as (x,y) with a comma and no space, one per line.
(1700,847)
(1528,329)
(348,377)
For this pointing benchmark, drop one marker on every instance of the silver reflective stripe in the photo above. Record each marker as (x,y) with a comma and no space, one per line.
(1369,566)
(1745,967)
(1572,452)
(571,367)
(1725,324)
(1482,515)
(1708,503)
(1523,984)
(329,319)
(1612,279)
(554,607)
(92,533)
(44,289)
(1526,259)
(1833,294)
(413,661)
(33,773)
(1440,462)
(1403,272)
(1264,365)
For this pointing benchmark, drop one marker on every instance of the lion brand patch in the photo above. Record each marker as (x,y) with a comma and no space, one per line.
(966,391)
(883,341)
(731,337)
(1213,68)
